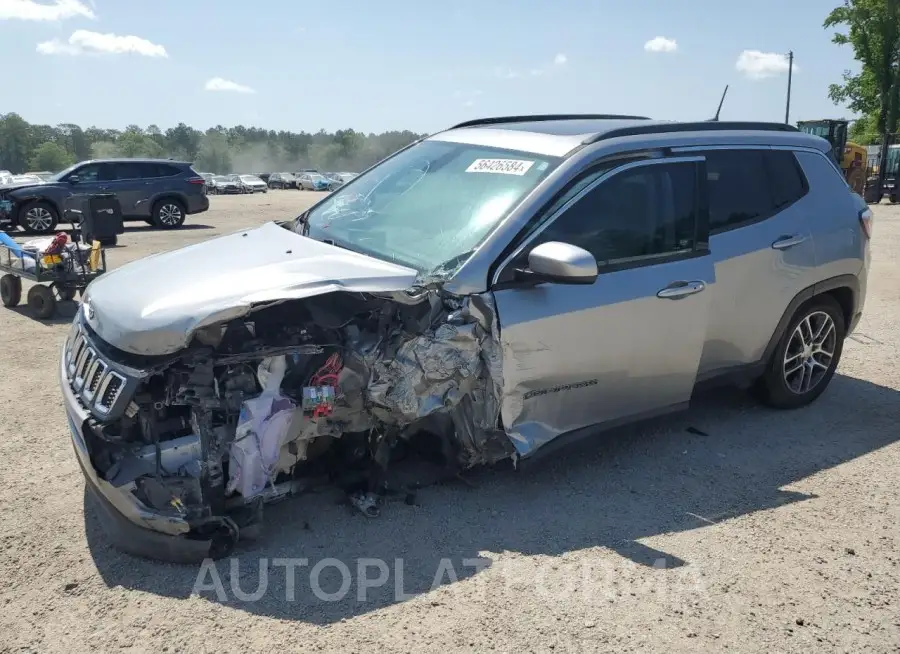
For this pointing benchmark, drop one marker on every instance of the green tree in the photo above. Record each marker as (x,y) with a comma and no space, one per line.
(50,156)
(864,130)
(215,155)
(873,31)
(15,135)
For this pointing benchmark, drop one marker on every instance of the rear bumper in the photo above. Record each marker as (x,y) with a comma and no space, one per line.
(198,205)
(129,525)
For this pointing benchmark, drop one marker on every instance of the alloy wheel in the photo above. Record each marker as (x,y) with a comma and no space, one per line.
(38,219)
(809,353)
(170,214)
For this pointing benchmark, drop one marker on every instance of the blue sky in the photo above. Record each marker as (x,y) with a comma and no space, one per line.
(401,64)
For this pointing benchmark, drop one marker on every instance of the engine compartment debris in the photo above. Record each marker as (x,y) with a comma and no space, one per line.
(342,389)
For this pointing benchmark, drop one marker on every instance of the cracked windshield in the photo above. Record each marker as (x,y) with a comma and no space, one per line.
(430,206)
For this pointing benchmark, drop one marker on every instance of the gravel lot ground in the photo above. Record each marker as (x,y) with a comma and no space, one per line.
(730,527)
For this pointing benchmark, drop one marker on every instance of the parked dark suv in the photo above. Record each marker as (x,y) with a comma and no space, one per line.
(159,191)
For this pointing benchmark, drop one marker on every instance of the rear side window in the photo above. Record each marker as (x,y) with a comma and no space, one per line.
(738,188)
(129,170)
(788,183)
(154,169)
(746,186)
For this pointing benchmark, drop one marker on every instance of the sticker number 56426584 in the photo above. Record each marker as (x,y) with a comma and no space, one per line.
(501,166)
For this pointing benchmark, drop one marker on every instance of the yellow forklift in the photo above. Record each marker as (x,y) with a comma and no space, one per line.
(852,157)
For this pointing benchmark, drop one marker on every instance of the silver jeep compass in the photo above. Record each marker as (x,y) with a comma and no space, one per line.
(488,293)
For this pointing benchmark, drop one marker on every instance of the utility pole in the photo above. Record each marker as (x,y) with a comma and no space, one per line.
(787,107)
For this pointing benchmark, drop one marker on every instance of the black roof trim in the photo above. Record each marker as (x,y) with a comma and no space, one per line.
(498,120)
(705,126)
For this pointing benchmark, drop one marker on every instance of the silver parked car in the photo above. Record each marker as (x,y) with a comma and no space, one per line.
(337,180)
(252,184)
(488,293)
(312,182)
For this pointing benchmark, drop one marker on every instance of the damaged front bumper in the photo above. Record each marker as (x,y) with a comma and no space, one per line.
(183,450)
(127,523)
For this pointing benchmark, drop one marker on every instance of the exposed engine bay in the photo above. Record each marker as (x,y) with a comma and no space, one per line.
(340,389)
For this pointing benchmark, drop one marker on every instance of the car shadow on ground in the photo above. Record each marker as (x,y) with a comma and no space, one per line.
(726,457)
(65,313)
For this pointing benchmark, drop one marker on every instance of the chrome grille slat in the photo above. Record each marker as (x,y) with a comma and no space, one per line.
(95,381)
(81,366)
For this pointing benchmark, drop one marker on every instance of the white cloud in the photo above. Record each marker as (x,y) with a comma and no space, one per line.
(85,42)
(504,72)
(759,65)
(467,97)
(558,61)
(40,11)
(219,84)
(661,44)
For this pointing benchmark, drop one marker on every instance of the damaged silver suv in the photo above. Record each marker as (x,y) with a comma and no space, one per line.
(485,294)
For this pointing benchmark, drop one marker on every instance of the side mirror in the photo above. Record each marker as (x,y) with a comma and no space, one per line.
(559,263)
(74,179)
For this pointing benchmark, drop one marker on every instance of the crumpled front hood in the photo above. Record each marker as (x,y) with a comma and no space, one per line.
(154,305)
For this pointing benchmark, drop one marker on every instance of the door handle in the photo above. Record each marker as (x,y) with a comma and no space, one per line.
(678,290)
(785,242)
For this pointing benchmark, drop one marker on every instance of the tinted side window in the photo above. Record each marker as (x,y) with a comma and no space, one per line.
(739,191)
(644,211)
(88,173)
(151,170)
(786,178)
(159,170)
(127,170)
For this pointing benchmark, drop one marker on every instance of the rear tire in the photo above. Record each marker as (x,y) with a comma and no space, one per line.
(168,214)
(806,356)
(41,302)
(10,290)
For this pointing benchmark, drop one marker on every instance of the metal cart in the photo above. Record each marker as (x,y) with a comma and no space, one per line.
(57,278)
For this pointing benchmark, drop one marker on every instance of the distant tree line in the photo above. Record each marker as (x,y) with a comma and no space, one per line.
(26,147)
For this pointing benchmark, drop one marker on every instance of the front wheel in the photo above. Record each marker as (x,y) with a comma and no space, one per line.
(38,217)
(41,302)
(168,214)
(806,356)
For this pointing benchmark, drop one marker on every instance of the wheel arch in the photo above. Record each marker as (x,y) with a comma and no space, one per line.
(844,289)
(21,203)
(169,195)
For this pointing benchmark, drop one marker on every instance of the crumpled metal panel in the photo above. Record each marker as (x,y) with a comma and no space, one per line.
(454,367)
(428,373)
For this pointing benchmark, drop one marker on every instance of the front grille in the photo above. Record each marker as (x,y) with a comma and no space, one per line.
(103,387)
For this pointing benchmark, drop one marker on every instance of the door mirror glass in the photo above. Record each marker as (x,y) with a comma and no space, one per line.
(560,263)
(74,179)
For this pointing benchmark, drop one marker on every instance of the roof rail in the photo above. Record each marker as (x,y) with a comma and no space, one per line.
(705,126)
(541,117)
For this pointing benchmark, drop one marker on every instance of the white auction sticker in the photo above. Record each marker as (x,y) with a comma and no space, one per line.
(501,166)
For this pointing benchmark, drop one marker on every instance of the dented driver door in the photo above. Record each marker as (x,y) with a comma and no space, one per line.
(628,345)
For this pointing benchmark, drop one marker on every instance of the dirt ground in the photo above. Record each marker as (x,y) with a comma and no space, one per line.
(732,527)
